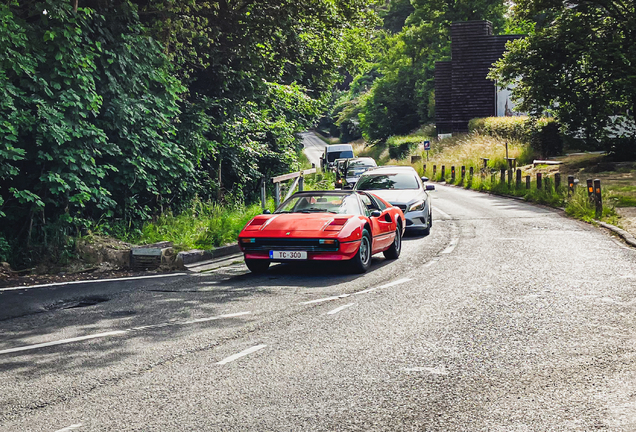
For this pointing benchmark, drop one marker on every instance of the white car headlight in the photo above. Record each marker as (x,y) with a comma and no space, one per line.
(417,205)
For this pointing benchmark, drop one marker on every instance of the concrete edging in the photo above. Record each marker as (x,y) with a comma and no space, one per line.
(198,255)
(629,239)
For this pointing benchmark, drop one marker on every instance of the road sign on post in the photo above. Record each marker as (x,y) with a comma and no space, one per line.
(427,147)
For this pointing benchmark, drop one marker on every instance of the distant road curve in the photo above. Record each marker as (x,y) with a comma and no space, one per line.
(314,147)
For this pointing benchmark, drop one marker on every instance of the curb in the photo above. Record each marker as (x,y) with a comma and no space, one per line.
(197,255)
(629,239)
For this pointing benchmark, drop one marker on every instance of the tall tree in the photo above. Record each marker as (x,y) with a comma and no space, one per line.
(580,63)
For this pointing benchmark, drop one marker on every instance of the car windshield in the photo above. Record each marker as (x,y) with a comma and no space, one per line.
(321,203)
(332,156)
(356,170)
(378,181)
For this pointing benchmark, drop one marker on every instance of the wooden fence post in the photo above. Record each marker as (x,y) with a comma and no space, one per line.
(557,181)
(518,179)
(503,176)
(263,193)
(453,174)
(527,182)
(539,183)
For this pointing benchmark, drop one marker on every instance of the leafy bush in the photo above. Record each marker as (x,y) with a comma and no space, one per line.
(5,249)
(401,146)
(546,138)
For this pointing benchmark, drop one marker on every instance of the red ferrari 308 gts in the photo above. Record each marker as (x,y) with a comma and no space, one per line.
(324,226)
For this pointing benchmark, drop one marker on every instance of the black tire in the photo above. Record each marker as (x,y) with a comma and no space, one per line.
(257,266)
(362,261)
(427,230)
(393,252)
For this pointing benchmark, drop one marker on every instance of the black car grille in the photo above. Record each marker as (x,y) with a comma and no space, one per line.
(312,245)
(401,207)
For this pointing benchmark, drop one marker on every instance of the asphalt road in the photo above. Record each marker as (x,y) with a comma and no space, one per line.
(314,147)
(508,317)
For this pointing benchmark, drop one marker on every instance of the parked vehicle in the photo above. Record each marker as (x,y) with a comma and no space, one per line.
(324,226)
(354,168)
(340,167)
(402,187)
(333,152)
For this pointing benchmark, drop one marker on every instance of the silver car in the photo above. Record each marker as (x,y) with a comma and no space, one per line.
(402,187)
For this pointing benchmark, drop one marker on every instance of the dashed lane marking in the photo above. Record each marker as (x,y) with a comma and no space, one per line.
(320,300)
(241,354)
(341,308)
(451,246)
(91,281)
(117,333)
(390,284)
(446,215)
(70,428)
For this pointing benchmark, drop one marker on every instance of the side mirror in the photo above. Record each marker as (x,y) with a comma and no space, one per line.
(266,211)
(424,179)
(430,187)
(376,213)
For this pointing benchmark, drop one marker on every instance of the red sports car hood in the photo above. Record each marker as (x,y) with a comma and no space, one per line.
(294,222)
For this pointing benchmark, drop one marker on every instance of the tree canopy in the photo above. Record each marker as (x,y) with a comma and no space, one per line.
(112,112)
(580,64)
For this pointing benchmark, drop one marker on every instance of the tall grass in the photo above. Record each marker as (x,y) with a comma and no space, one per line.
(203,226)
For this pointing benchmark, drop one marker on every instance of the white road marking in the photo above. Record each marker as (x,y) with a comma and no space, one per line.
(118,332)
(70,428)
(451,246)
(241,354)
(91,281)
(325,299)
(435,371)
(431,262)
(446,215)
(390,284)
(63,341)
(336,310)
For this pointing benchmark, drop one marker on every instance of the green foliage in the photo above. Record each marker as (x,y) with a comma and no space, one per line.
(542,133)
(116,114)
(580,64)
(389,109)
(401,146)
(545,137)
(202,226)
(516,128)
(5,249)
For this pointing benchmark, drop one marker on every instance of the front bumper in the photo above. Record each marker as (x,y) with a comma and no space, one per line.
(416,219)
(345,251)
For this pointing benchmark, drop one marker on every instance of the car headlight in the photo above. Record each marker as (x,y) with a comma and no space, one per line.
(417,205)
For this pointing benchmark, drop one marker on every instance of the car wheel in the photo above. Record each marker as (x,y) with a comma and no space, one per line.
(362,260)
(257,266)
(393,252)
